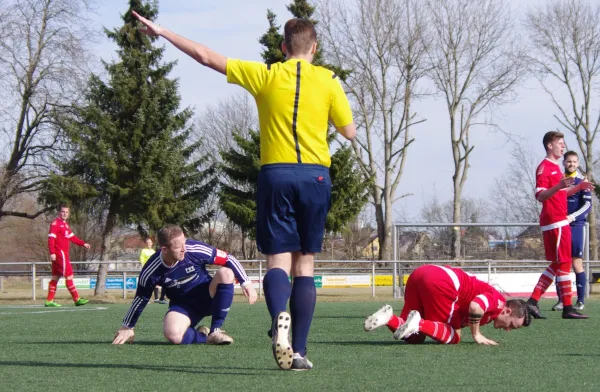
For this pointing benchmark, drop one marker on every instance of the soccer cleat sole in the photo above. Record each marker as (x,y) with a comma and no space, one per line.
(282,349)
(379,318)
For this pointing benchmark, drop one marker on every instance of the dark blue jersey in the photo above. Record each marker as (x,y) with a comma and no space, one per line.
(579,204)
(181,279)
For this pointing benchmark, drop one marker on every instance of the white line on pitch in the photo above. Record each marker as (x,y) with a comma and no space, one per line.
(56,311)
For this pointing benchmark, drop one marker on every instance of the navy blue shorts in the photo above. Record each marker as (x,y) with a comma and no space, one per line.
(196,305)
(292,205)
(577,240)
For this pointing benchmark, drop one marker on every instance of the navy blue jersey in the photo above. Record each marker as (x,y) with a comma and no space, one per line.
(579,204)
(181,279)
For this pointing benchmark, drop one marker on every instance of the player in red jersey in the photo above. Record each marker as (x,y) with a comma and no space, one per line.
(552,189)
(440,301)
(59,238)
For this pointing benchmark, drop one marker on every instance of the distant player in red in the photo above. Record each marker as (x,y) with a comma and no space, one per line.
(440,301)
(60,237)
(552,189)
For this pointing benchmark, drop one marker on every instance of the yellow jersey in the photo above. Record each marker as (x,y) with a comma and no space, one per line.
(145,254)
(295,101)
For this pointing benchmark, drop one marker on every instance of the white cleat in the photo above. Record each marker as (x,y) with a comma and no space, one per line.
(379,318)
(282,349)
(411,326)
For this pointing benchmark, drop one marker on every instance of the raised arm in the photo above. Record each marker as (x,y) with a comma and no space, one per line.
(198,52)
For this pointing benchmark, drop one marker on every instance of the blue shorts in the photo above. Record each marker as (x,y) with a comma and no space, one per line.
(292,205)
(196,305)
(577,240)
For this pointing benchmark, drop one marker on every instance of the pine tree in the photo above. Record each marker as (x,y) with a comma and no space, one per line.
(238,194)
(130,142)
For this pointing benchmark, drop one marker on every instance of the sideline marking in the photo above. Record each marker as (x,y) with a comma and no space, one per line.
(45,311)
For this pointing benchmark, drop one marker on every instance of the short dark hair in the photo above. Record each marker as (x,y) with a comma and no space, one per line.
(519,309)
(570,154)
(63,205)
(167,233)
(550,136)
(299,35)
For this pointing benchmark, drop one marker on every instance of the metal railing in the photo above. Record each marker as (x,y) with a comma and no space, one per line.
(397,289)
(398,269)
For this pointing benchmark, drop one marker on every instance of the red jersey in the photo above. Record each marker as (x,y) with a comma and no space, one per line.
(59,236)
(554,209)
(474,290)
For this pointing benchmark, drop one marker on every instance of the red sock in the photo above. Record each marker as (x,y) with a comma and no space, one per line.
(72,289)
(51,290)
(542,285)
(564,287)
(440,332)
(394,323)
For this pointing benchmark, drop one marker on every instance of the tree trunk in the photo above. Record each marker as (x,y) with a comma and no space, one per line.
(456,218)
(244,244)
(593,234)
(111,221)
(387,244)
(380,228)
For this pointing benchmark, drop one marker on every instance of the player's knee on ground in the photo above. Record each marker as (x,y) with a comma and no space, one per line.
(173,328)
(224,275)
(417,338)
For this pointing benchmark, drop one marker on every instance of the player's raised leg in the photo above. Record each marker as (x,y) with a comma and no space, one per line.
(221,291)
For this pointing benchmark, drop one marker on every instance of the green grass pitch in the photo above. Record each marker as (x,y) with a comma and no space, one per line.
(70,350)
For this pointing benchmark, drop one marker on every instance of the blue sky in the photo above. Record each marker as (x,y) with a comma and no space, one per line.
(233,27)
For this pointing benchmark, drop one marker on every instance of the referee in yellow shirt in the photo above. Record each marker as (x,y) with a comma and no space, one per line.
(295,100)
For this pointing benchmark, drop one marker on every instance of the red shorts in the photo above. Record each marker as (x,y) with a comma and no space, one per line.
(433,292)
(557,244)
(62,266)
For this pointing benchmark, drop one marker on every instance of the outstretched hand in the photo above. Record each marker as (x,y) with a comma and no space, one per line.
(151,29)
(250,293)
(586,185)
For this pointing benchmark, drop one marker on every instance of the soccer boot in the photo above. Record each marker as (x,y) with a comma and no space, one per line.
(570,313)
(300,363)
(218,337)
(379,318)
(282,349)
(534,310)
(203,329)
(579,306)
(411,326)
(81,302)
(52,304)
(557,306)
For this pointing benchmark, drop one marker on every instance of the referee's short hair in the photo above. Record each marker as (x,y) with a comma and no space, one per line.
(299,35)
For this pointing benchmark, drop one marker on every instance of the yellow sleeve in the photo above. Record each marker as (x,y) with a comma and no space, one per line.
(340,112)
(251,75)
(143,257)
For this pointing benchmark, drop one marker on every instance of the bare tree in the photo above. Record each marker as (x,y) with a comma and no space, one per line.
(475,64)
(217,122)
(565,48)
(43,58)
(512,195)
(381,42)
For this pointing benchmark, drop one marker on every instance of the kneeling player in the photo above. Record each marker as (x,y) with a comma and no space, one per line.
(180,268)
(439,301)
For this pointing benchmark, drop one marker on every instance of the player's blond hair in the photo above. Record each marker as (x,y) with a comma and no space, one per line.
(167,233)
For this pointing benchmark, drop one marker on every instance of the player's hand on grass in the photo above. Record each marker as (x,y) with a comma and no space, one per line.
(124,335)
(250,292)
(151,29)
(480,339)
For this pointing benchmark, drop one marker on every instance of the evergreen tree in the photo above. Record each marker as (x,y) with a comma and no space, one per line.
(241,166)
(238,194)
(130,142)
